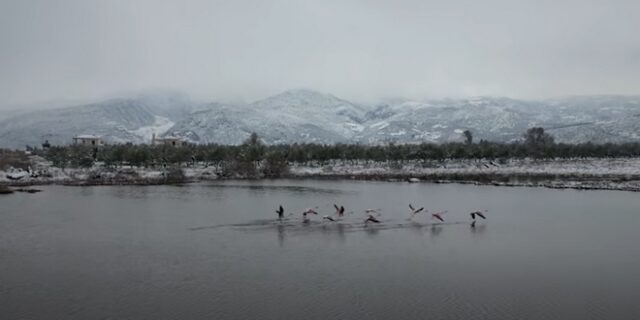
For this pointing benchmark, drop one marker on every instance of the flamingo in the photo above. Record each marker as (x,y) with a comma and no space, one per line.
(280,212)
(477,213)
(413,210)
(371,218)
(438,215)
(329,218)
(339,210)
(306,212)
(309,210)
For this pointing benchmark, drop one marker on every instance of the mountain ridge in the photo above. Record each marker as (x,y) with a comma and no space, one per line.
(308,116)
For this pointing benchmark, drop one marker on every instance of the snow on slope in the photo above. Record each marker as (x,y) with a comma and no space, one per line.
(306,116)
(116,121)
(292,116)
(159,127)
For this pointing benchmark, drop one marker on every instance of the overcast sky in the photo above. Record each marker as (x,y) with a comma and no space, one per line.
(359,50)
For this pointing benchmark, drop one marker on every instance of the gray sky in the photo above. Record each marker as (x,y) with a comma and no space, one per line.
(359,50)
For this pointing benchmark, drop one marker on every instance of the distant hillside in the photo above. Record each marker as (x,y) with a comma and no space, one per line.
(117,121)
(310,116)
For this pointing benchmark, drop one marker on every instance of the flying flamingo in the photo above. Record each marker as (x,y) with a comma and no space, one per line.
(371,218)
(438,215)
(306,212)
(329,218)
(280,212)
(413,210)
(477,213)
(309,210)
(339,210)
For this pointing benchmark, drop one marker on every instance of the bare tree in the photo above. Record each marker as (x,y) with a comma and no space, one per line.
(468,137)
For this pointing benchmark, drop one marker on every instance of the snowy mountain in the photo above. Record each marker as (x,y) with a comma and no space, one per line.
(496,119)
(292,116)
(117,121)
(309,116)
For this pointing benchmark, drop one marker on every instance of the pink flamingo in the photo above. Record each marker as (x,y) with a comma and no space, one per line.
(371,218)
(438,215)
(414,211)
(280,212)
(339,210)
(477,213)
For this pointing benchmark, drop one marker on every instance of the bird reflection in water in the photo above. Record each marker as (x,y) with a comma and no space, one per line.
(417,227)
(341,235)
(435,230)
(332,229)
(371,231)
(478,228)
(281,235)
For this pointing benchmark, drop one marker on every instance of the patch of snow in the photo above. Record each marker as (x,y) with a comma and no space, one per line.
(398,133)
(159,127)
(354,126)
(380,125)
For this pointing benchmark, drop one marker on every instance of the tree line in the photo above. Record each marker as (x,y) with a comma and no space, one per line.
(254,158)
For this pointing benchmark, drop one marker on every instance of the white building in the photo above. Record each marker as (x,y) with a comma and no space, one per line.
(87,140)
(167,141)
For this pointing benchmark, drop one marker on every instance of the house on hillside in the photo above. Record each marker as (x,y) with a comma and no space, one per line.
(167,141)
(87,140)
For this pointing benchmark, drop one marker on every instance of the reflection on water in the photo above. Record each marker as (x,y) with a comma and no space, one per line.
(479,229)
(287,188)
(219,252)
(281,234)
(173,192)
(340,227)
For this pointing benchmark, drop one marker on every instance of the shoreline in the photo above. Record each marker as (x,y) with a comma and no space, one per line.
(622,174)
(594,183)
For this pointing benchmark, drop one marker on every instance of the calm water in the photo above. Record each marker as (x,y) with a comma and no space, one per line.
(215,251)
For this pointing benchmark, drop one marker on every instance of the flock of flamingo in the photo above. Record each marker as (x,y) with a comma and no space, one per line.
(372,214)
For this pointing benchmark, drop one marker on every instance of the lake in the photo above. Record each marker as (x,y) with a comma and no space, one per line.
(217,251)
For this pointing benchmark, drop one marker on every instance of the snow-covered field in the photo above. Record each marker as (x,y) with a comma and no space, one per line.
(580,167)
(613,174)
(43,172)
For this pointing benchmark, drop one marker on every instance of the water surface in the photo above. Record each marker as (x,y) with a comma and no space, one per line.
(216,251)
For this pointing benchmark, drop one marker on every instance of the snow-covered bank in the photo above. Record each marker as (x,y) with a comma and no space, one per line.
(609,174)
(43,172)
(587,166)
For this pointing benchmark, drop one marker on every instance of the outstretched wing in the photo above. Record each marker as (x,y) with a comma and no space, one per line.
(372,219)
(419,209)
(481,215)
(411,207)
(336,206)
